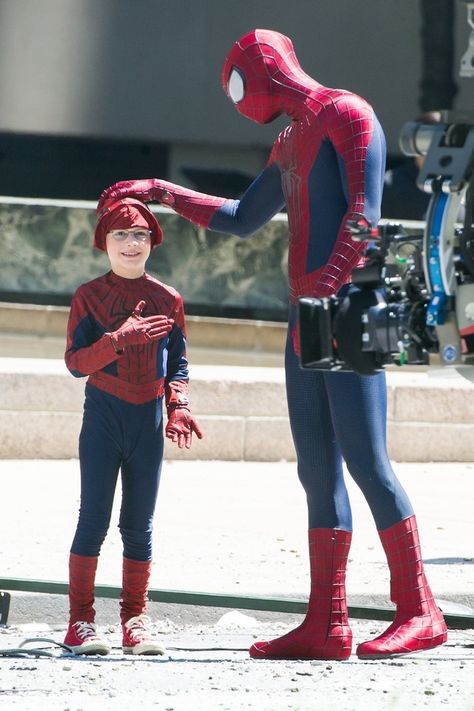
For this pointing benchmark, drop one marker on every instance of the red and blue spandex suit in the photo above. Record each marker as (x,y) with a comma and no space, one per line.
(122,425)
(326,167)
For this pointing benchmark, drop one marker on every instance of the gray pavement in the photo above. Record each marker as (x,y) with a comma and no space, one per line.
(236,528)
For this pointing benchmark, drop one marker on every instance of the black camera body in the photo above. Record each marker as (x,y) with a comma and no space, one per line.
(412,303)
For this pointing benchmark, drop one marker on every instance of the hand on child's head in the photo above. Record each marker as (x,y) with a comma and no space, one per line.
(167,198)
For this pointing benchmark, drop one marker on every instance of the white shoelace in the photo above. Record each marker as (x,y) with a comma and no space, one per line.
(137,628)
(85,630)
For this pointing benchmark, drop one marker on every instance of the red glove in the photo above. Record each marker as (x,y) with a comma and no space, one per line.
(180,427)
(197,207)
(181,424)
(146,190)
(138,330)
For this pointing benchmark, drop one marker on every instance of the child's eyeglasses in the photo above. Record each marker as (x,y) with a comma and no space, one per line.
(138,235)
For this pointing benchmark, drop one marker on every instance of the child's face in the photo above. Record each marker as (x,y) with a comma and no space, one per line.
(128,250)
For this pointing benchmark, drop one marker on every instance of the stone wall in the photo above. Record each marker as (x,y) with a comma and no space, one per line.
(47,251)
(242,412)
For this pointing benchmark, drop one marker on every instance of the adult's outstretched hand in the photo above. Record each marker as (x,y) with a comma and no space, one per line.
(146,190)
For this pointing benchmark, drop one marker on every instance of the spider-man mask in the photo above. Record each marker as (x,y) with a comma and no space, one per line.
(260,74)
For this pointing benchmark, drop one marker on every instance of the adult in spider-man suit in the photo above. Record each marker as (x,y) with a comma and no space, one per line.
(326,167)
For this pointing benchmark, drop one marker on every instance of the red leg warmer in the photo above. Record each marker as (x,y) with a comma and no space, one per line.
(81,587)
(418,623)
(325,631)
(135,579)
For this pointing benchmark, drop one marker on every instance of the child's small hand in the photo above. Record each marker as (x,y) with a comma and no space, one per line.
(156,326)
(138,330)
(181,426)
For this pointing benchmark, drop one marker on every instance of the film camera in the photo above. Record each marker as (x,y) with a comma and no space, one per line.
(413,300)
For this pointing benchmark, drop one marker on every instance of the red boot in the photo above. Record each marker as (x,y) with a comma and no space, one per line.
(82,571)
(418,623)
(81,635)
(133,605)
(325,631)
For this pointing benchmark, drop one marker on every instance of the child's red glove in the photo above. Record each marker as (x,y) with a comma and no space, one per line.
(137,330)
(180,427)
(181,424)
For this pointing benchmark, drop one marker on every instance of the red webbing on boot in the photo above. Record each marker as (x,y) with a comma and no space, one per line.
(418,623)
(325,631)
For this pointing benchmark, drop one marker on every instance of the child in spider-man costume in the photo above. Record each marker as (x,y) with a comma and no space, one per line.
(326,167)
(126,331)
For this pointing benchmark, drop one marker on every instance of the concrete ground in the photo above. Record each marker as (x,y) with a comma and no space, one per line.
(236,528)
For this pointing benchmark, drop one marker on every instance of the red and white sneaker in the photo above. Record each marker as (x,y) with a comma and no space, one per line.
(82,638)
(137,638)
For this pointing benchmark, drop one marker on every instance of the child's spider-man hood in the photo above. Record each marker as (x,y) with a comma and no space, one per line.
(125,214)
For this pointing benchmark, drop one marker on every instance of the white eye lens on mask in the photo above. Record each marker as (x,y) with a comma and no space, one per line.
(236,86)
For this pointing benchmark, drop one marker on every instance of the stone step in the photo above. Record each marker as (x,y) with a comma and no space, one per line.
(242,411)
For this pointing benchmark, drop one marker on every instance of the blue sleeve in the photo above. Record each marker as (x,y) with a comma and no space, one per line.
(177,364)
(374,173)
(262,199)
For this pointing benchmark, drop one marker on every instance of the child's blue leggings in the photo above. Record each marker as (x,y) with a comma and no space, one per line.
(115,436)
